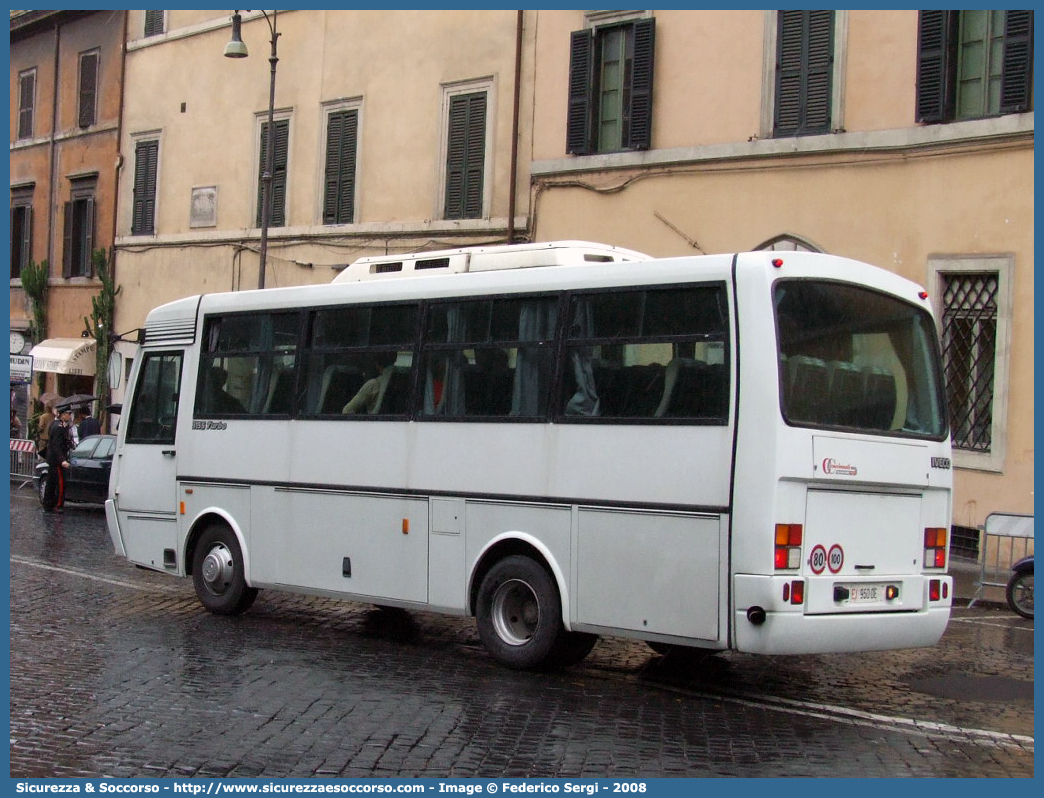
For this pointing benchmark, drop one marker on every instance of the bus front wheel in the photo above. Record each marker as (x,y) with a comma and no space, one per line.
(519,616)
(217,573)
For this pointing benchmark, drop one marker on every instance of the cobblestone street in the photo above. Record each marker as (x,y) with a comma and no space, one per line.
(118,671)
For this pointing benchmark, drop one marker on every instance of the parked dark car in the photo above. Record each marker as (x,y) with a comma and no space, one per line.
(89,467)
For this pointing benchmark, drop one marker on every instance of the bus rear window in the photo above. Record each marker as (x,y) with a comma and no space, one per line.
(855,359)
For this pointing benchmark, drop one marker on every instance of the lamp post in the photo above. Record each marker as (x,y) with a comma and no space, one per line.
(237,49)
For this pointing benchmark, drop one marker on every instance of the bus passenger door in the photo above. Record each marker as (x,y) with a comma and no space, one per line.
(142,485)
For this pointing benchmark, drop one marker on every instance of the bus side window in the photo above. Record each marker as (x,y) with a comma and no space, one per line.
(633,355)
(489,358)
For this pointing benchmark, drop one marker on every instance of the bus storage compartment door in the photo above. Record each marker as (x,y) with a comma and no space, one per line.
(650,572)
(383,537)
(857,546)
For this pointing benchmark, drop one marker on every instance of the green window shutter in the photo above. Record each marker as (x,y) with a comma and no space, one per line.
(27,237)
(820,71)
(342,130)
(465,156)
(88,89)
(581,83)
(86,264)
(1017,72)
(17,256)
(143,214)
(936,76)
(640,131)
(282,149)
(67,240)
(804,72)
(153,22)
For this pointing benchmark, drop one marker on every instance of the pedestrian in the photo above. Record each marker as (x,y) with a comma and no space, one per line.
(87,424)
(59,444)
(16,424)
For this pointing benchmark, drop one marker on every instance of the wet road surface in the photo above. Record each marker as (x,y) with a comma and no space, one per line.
(117,671)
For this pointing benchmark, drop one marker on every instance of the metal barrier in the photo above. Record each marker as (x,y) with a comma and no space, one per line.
(1006,538)
(23,460)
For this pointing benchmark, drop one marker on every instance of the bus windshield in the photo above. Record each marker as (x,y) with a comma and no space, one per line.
(856,359)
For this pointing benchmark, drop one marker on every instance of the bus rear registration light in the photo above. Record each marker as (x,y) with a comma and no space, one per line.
(788,546)
(935,547)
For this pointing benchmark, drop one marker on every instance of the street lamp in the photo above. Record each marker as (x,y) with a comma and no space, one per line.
(237,49)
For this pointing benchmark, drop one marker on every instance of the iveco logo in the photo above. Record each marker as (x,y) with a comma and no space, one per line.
(941,462)
(831,466)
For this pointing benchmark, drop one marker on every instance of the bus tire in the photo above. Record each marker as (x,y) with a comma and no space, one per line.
(688,655)
(519,614)
(572,647)
(218,575)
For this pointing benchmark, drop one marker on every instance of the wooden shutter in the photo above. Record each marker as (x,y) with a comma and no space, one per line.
(153,23)
(474,175)
(27,237)
(579,138)
(342,130)
(819,72)
(804,72)
(277,217)
(21,238)
(88,88)
(282,153)
(26,101)
(465,156)
(88,238)
(67,239)
(1017,71)
(936,35)
(789,68)
(640,134)
(143,215)
(16,255)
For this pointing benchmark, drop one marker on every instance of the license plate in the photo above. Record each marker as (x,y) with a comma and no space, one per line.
(864,593)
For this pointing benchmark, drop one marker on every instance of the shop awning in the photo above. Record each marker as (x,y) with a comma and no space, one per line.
(65,356)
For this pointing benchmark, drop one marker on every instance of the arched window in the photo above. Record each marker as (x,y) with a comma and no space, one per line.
(788,243)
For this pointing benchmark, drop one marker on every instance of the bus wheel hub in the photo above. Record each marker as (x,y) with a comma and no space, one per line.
(217,568)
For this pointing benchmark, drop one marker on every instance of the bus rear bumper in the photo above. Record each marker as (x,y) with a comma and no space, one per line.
(114,528)
(794,631)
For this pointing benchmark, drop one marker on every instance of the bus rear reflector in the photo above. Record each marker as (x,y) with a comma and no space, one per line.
(788,546)
(794,592)
(935,547)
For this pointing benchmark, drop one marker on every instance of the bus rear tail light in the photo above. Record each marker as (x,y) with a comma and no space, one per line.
(935,547)
(788,546)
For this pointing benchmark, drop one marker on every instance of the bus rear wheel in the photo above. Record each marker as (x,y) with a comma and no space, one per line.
(519,614)
(218,575)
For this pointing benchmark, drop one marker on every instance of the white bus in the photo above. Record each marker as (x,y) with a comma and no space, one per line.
(563,440)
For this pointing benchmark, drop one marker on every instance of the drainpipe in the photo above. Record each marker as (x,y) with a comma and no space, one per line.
(53,189)
(513,181)
(119,141)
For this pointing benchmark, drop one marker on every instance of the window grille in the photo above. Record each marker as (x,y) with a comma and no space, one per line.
(970,356)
